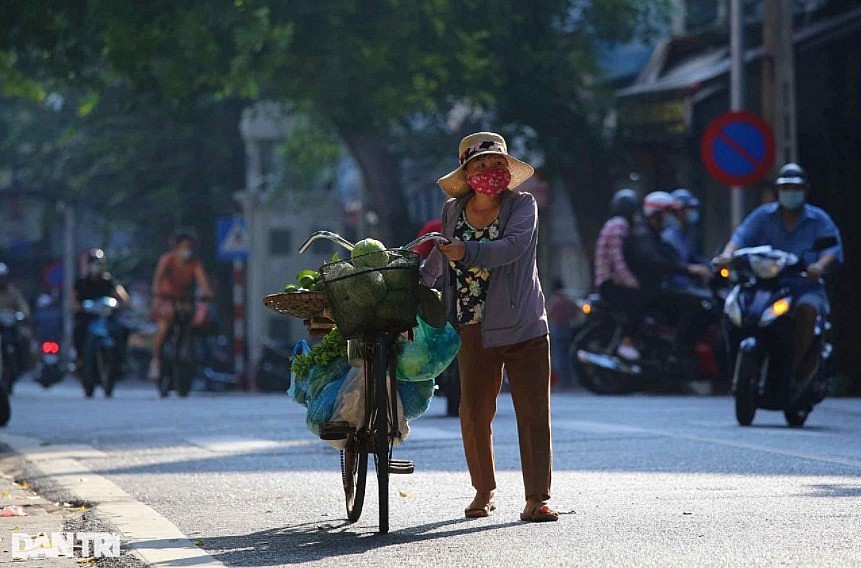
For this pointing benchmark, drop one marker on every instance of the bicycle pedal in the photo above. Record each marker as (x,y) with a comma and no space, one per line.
(337,430)
(401,466)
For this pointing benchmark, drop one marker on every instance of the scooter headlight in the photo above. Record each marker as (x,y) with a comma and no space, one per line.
(767,267)
(732,308)
(775,310)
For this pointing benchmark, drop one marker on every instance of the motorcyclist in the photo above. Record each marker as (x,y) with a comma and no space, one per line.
(682,234)
(96,283)
(613,278)
(12,299)
(792,225)
(654,262)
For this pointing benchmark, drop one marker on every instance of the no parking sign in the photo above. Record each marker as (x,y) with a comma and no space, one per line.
(738,148)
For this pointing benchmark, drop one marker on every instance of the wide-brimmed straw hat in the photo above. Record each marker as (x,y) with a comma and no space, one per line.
(454,184)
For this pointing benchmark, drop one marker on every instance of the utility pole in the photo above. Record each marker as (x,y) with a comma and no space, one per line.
(264,126)
(736,97)
(69,273)
(778,78)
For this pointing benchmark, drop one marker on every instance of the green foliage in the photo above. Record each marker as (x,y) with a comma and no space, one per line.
(370,73)
(331,348)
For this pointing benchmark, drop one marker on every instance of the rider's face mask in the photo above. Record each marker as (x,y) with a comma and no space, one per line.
(791,198)
(186,253)
(95,268)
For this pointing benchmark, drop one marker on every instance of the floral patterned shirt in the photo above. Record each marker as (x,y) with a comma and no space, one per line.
(472,280)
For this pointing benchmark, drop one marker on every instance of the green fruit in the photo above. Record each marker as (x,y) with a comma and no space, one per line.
(397,306)
(398,276)
(366,289)
(370,253)
(291,288)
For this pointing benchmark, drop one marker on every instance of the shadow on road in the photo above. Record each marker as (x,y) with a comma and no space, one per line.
(317,541)
(834,490)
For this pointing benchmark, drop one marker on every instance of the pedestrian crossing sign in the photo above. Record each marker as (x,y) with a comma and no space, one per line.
(232,238)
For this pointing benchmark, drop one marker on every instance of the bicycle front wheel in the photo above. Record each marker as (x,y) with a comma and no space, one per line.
(382,437)
(354,474)
(184,365)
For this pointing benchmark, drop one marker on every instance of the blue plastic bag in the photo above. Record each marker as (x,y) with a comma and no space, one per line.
(298,390)
(415,396)
(321,407)
(321,375)
(429,353)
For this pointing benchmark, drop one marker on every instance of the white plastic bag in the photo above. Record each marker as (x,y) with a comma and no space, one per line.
(350,406)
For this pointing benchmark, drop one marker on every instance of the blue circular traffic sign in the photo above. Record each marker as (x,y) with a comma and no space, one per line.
(738,148)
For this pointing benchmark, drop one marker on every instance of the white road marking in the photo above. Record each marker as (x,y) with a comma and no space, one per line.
(419,431)
(241,444)
(592,427)
(156,540)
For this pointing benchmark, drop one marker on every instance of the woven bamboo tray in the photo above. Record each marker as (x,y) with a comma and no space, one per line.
(305,305)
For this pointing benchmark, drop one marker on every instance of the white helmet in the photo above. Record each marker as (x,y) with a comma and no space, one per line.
(4,270)
(659,201)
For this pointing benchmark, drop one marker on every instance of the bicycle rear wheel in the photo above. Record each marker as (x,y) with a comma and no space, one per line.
(382,439)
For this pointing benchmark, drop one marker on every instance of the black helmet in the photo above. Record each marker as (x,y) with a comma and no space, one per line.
(95,255)
(685,198)
(791,174)
(624,203)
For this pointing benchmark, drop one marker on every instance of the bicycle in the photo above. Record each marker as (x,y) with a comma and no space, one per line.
(178,358)
(378,431)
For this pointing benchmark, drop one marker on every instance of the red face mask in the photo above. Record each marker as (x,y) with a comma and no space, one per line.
(491,181)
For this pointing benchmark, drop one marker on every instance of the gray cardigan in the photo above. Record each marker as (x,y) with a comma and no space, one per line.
(515,303)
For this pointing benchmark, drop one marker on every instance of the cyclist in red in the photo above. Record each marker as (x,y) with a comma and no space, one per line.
(177,271)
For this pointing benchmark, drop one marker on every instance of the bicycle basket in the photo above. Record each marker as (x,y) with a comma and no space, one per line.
(303,305)
(373,293)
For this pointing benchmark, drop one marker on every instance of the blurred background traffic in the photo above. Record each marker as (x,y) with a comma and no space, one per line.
(255,122)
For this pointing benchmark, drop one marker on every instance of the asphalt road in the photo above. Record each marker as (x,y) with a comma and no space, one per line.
(640,481)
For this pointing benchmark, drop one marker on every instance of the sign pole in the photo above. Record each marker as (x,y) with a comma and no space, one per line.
(736,46)
(239,321)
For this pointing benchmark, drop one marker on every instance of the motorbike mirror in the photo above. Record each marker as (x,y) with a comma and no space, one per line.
(823,243)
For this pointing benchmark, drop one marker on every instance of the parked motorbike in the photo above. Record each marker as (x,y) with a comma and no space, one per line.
(11,344)
(663,361)
(102,359)
(760,336)
(217,363)
(273,371)
(47,332)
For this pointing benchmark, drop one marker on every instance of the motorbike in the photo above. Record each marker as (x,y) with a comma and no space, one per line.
(48,331)
(102,358)
(11,345)
(51,369)
(760,336)
(664,362)
(273,372)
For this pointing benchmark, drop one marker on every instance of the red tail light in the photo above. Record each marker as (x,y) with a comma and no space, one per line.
(50,348)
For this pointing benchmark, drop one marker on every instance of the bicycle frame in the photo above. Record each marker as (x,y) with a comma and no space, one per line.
(177,374)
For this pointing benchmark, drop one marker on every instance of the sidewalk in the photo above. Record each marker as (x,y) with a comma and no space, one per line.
(42,516)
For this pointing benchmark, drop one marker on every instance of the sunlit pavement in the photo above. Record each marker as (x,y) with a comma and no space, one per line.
(639,481)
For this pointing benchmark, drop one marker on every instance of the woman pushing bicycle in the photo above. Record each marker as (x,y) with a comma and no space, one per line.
(494,298)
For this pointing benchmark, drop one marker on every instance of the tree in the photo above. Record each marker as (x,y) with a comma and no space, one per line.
(370,67)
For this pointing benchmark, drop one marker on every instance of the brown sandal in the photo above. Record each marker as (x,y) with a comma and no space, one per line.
(479,512)
(540,514)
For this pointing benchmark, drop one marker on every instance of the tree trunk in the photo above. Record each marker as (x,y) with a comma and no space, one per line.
(381,177)
(584,167)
